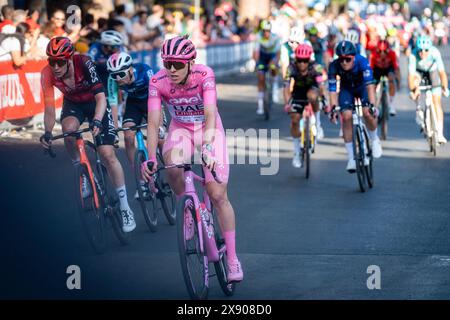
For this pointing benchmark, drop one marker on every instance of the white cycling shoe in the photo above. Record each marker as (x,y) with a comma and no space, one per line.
(296,161)
(351,166)
(260,111)
(320,134)
(377,151)
(442,140)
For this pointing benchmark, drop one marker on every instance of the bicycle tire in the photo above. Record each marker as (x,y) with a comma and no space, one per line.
(369,168)
(221,266)
(384,116)
(433,140)
(268,98)
(196,292)
(92,218)
(307,146)
(357,153)
(113,210)
(148,206)
(167,198)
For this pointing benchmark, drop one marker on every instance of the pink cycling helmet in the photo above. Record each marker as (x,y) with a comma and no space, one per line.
(178,48)
(303,51)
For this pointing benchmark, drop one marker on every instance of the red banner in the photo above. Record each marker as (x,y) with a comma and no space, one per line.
(21,92)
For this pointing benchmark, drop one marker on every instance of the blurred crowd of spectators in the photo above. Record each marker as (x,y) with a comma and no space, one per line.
(24,34)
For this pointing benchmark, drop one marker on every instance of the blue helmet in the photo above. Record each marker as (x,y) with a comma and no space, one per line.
(345,48)
(424,43)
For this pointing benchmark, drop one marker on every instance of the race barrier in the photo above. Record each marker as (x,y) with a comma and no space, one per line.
(21,93)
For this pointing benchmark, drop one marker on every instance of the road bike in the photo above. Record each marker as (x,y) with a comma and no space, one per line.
(101,204)
(199,238)
(159,189)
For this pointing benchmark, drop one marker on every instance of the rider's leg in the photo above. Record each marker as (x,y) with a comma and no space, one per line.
(296,134)
(313,97)
(177,149)
(70,124)
(437,102)
(130,146)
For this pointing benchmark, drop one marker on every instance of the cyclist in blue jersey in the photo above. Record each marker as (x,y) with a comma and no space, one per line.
(133,79)
(425,63)
(356,80)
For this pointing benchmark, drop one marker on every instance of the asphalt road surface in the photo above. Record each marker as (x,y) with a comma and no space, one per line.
(297,238)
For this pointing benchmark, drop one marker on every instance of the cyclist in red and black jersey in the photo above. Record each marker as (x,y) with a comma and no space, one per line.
(383,62)
(84,98)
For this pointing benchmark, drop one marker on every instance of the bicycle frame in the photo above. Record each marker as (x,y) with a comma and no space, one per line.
(207,241)
(429,106)
(357,121)
(307,112)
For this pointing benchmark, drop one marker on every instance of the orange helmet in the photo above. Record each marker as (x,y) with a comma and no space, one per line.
(60,48)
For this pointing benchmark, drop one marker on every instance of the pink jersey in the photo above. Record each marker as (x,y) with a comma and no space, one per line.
(185,102)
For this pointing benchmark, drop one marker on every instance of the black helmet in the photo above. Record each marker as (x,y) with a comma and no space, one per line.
(345,48)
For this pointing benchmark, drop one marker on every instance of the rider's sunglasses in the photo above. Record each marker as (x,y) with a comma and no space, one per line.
(54,62)
(109,47)
(345,59)
(302,60)
(382,51)
(293,43)
(423,50)
(119,75)
(178,65)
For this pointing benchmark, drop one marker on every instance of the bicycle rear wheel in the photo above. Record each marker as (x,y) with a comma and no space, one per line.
(268,97)
(221,266)
(147,202)
(307,146)
(166,195)
(92,217)
(359,157)
(194,263)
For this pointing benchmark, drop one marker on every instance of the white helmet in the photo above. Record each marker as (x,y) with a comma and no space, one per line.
(352,36)
(111,38)
(119,62)
(297,34)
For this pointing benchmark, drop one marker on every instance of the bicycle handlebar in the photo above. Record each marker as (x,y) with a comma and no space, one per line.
(181,166)
(50,151)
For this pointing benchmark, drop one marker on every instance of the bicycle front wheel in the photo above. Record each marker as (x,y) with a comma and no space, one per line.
(368,168)
(358,154)
(384,116)
(268,97)
(307,146)
(91,210)
(221,266)
(112,210)
(147,201)
(194,262)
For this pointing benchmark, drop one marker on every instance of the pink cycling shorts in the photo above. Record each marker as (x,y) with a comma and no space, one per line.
(183,142)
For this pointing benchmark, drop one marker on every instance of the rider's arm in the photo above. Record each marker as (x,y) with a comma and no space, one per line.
(210,106)
(49,99)
(100,105)
(113,92)
(412,62)
(257,48)
(153,120)
(441,68)
(96,87)
(332,84)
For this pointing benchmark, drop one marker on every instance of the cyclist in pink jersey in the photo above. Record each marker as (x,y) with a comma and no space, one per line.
(188,90)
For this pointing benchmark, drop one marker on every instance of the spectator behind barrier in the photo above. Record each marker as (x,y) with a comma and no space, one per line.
(33,19)
(15,46)
(7,13)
